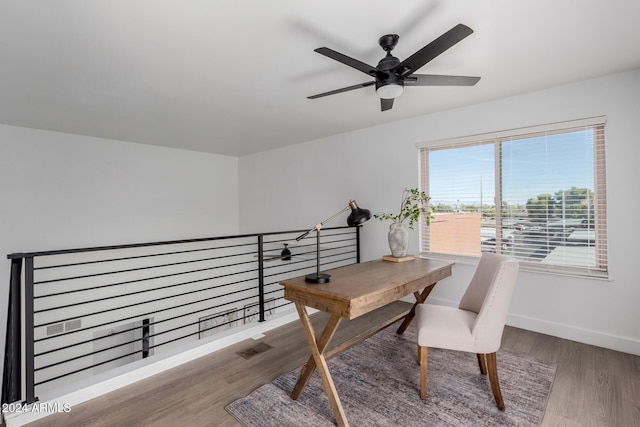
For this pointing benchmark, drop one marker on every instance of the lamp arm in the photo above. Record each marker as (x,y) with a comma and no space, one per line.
(319,226)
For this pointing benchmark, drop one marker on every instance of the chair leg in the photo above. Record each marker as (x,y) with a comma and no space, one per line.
(482,364)
(492,367)
(422,355)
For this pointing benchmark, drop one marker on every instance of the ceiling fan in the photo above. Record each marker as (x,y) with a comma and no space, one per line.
(391,74)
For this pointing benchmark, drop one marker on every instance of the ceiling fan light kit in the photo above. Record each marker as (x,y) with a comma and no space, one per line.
(391,74)
(389,91)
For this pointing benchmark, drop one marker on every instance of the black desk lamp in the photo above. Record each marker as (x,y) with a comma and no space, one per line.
(356,217)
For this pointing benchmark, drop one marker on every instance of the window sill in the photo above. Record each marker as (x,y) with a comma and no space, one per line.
(528,267)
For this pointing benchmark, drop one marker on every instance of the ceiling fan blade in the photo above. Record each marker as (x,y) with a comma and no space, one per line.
(353,63)
(440,80)
(344,89)
(432,50)
(386,104)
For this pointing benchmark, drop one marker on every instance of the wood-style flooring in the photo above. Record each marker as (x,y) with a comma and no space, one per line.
(593,386)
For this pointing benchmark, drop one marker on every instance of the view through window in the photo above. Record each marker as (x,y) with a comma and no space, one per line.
(536,194)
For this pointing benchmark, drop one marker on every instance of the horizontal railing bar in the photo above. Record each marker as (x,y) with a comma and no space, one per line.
(153,278)
(75,264)
(188,335)
(336,261)
(322,266)
(325,235)
(323,242)
(58,307)
(303,268)
(82,356)
(182,337)
(273,292)
(282,305)
(164,276)
(279,241)
(144,290)
(298,254)
(128,342)
(313,251)
(162,243)
(139,317)
(184,283)
(168,297)
(169,286)
(307,267)
(133,353)
(130,329)
(221,324)
(332,256)
(141,303)
(150,324)
(84,369)
(352,236)
(64,279)
(149,290)
(293,261)
(138,351)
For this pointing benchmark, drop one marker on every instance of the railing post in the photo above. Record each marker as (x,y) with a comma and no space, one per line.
(29,355)
(261,276)
(358,244)
(11,379)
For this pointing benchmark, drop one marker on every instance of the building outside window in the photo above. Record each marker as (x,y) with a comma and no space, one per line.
(537,194)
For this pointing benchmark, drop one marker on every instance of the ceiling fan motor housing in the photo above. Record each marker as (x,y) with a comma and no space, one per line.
(388,63)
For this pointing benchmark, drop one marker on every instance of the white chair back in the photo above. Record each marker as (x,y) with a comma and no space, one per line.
(489,296)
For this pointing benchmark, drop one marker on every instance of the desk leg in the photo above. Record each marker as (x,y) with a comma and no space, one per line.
(318,360)
(420,298)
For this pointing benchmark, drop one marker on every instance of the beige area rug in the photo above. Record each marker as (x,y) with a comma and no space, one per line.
(378,384)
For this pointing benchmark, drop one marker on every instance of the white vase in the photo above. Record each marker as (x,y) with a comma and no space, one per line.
(398,239)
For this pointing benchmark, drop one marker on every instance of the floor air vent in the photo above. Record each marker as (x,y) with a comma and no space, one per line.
(256,349)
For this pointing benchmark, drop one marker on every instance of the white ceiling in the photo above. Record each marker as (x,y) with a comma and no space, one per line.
(231,76)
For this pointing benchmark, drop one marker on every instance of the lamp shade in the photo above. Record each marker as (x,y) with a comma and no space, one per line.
(357,215)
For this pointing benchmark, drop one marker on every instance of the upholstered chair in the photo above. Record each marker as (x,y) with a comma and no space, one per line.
(476,325)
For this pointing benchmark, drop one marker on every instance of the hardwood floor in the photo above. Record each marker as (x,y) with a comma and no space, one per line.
(593,386)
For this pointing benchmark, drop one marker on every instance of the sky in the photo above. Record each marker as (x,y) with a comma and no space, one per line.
(532,166)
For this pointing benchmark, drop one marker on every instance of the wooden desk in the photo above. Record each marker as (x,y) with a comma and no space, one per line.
(353,291)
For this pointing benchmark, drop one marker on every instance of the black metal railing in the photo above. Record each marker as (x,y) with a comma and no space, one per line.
(80,312)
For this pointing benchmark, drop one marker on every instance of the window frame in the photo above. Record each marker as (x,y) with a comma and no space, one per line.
(601,269)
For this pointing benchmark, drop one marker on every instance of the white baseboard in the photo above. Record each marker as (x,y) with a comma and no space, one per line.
(66,402)
(569,332)
(573,333)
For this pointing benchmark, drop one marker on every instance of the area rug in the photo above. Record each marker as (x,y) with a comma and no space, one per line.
(378,384)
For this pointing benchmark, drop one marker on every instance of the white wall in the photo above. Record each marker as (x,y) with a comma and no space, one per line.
(63,191)
(296,187)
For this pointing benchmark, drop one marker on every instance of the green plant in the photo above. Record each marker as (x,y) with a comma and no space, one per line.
(414,203)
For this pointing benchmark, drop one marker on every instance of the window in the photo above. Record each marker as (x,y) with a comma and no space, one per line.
(537,194)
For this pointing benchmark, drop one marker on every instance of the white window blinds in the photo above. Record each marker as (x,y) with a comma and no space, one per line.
(537,194)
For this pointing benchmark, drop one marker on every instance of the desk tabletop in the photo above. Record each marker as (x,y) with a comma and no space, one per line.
(357,289)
